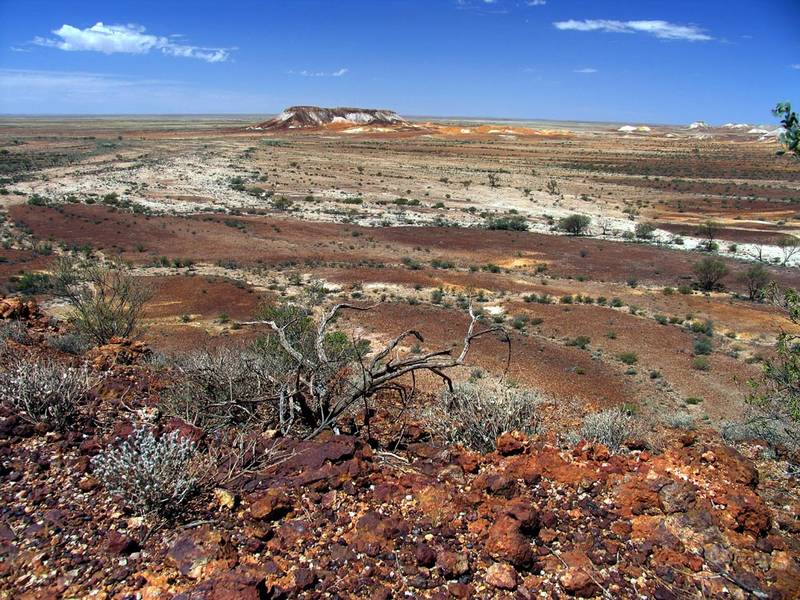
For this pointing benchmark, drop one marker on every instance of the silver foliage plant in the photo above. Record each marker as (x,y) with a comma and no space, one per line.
(475,413)
(150,474)
(45,391)
(611,427)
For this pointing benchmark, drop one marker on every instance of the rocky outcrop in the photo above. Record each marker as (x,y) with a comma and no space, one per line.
(118,351)
(310,117)
(338,517)
(17,308)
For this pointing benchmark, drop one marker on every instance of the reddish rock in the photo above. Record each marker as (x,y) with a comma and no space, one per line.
(118,544)
(119,351)
(502,576)
(87,484)
(497,484)
(523,511)
(375,534)
(312,455)
(736,467)
(16,308)
(577,582)
(510,442)
(238,585)
(424,555)
(469,461)
(460,590)
(270,505)
(677,497)
(746,512)
(184,429)
(506,542)
(452,564)
(453,473)
(304,579)
(204,547)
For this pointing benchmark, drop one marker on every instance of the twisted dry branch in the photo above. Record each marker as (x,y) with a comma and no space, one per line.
(315,383)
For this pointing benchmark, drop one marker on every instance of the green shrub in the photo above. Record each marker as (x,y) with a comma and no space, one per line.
(702,346)
(574,224)
(581,342)
(508,223)
(709,273)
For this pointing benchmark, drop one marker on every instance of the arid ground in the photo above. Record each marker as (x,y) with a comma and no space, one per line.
(221,220)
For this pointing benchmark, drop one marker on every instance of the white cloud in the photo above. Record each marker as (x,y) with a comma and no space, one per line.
(126,39)
(585,71)
(305,73)
(660,29)
(797,66)
(536,2)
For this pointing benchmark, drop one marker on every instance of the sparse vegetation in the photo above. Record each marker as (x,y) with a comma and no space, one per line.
(755,278)
(709,273)
(106,302)
(509,223)
(575,224)
(474,414)
(150,474)
(44,391)
(611,427)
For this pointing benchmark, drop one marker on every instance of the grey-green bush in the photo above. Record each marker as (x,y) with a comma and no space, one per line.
(475,413)
(149,474)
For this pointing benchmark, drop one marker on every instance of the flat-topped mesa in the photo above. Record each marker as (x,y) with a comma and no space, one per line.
(309,117)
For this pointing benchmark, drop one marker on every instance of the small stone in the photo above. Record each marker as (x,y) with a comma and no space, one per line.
(270,506)
(87,484)
(577,582)
(425,555)
(502,576)
(452,564)
(119,544)
(708,456)
(225,499)
(506,542)
(510,442)
(304,579)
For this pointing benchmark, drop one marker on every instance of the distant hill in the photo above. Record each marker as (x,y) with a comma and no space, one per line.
(309,117)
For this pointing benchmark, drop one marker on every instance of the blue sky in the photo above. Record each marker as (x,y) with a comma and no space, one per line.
(655,61)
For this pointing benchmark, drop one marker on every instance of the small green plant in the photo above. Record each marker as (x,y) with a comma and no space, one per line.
(790,138)
(628,358)
(644,231)
(611,427)
(581,342)
(702,346)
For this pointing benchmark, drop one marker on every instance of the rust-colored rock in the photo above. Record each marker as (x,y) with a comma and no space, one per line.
(119,351)
(270,505)
(17,308)
(502,576)
(506,542)
(511,442)
(452,564)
